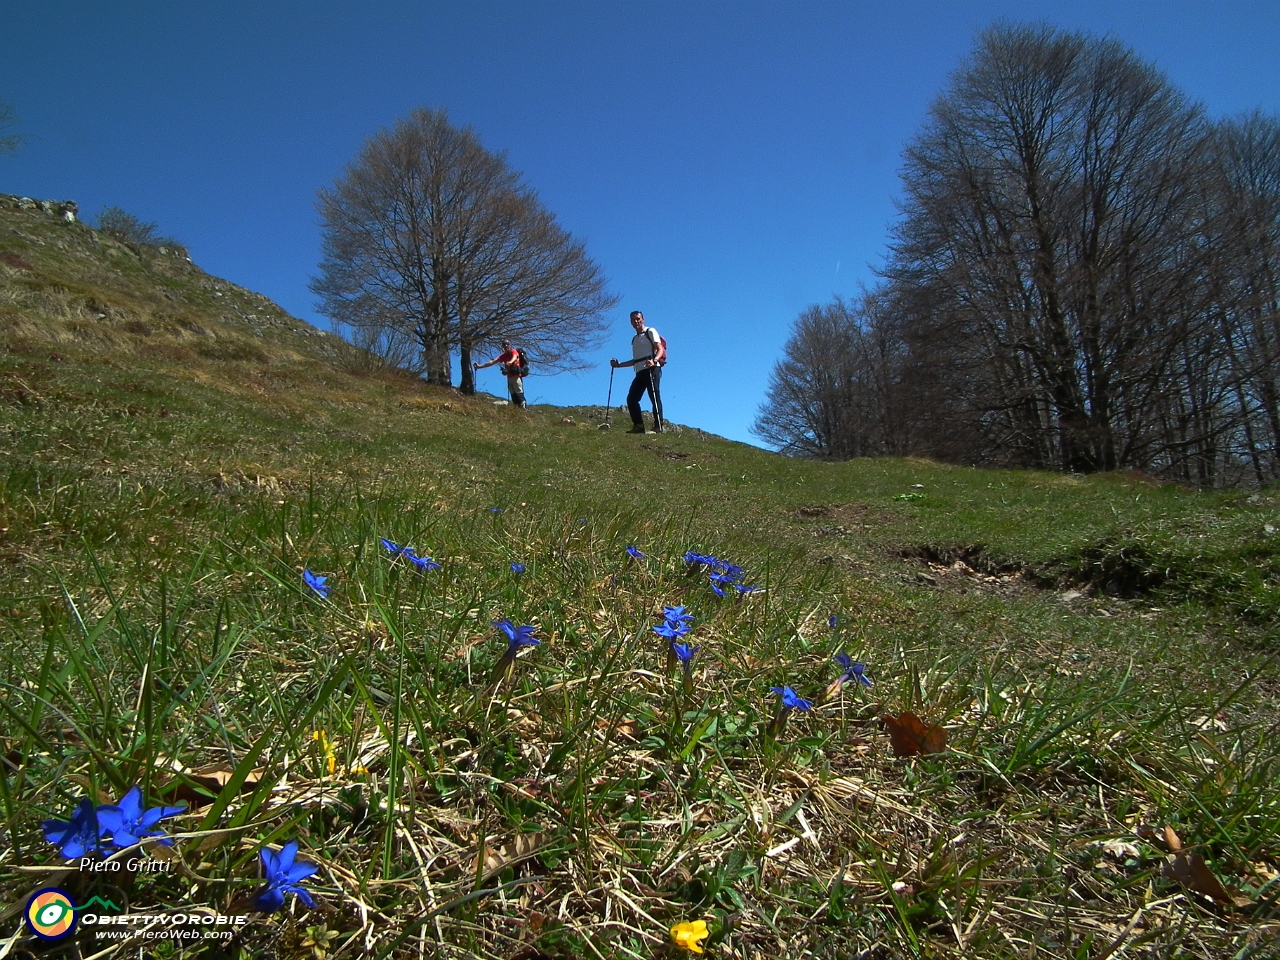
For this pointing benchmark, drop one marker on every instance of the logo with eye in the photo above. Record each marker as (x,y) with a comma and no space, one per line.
(51,913)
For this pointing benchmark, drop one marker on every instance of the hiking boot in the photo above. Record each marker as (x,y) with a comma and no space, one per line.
(638,428)
(658,428)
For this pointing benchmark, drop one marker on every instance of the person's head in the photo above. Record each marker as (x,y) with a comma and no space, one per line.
(506,344)
(637,320)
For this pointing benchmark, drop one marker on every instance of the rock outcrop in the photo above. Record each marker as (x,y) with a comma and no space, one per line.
(63,209)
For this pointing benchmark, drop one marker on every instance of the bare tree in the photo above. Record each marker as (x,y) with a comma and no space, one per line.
(383,345)
(1052,212)
(429,235)
(9,142)
(1243,233)
(831,394)
(125,227)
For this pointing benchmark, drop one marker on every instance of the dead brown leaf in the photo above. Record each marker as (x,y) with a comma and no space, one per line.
(625,728)
(910,736)
(1190,870)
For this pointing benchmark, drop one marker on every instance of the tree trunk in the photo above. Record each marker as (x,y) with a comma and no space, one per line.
(441,362)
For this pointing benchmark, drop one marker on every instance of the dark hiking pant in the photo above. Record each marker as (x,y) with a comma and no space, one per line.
(646,381)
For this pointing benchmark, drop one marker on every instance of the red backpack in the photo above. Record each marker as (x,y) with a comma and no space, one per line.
(664,345)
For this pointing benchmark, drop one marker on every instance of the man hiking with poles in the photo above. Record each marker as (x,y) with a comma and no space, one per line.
(648,354)
(514,366)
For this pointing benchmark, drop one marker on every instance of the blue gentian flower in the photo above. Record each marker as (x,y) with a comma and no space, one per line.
(128,822)
(697,559)
(676,615)
(517,568)
(284,874)
(495,509)
(724,577)
(791,700)
(833,622)
(684,653)
(634,553)
(582,520)
(853,671)
(80,835)
(671,631)
(517,637)
(316,583)
(424,564)
(391,546)
(718,583)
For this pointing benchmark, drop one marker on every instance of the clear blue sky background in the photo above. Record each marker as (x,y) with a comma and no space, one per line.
(728,164)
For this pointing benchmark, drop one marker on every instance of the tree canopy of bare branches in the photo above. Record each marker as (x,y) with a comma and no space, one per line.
(829,395)
(9,142)
(125,227)
(430,239)
(1084,278)
(1243,234)
(1053,202)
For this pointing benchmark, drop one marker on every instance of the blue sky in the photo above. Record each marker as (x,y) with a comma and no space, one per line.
(727,164)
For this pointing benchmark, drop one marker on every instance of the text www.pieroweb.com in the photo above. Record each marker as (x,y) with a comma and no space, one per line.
(165,933)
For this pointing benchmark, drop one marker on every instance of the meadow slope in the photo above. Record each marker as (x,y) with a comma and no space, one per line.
(177,451)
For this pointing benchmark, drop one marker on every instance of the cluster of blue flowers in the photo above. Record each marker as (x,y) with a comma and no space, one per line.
(851,672)
(320,585)
(108,826)
(425,564)
(724,577)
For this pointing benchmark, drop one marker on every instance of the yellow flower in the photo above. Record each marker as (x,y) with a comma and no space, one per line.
(687,935)
(326,747)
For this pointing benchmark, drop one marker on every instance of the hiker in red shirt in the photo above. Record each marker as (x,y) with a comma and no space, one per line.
(511,361)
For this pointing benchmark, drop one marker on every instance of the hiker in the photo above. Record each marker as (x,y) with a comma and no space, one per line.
(648,353)
(512,361)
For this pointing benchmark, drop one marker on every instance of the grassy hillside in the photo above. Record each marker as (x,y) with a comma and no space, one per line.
(177,451)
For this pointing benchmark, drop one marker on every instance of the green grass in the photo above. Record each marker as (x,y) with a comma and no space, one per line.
(1100,650)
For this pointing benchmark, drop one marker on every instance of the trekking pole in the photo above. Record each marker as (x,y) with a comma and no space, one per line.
(608,404)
